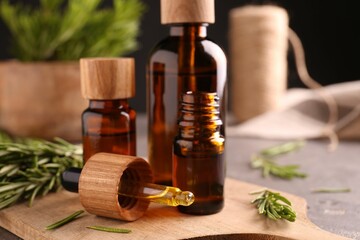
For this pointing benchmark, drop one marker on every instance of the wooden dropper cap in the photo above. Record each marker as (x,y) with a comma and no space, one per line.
(107,78)
(100,182)
(187,11)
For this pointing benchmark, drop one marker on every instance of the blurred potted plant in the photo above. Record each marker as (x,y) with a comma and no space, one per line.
(40,90)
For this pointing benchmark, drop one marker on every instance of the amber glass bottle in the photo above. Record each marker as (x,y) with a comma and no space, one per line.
(108,124)
(198,153)
(184,61)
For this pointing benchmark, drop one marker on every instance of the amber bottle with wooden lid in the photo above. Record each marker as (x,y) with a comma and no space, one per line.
(184,61)
(108,124)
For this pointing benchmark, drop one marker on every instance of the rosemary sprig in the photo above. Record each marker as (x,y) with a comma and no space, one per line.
(270,167)
(110,229)
(273,205)
(65,220)
(32,167)
(282,149)
(267,162)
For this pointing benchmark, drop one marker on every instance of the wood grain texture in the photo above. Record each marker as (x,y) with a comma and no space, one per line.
(107,78)
(100,181)
(41,99)
(238,219)
(187,11)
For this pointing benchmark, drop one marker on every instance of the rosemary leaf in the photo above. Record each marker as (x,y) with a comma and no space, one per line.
(273,205)
(7,169)
(49,186)
(109,229)
(33,195)
(65,220)
(331,190)
(13,186)
(7,201)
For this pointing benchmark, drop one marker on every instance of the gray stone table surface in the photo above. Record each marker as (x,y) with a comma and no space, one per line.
(335,212)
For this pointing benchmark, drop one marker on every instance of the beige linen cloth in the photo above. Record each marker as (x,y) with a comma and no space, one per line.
(303,115)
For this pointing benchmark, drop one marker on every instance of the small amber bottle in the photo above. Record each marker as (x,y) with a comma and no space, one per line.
(108,124)
(198,153)
(186,60)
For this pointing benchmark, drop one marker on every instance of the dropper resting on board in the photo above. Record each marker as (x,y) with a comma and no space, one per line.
(166,195)
(120,187)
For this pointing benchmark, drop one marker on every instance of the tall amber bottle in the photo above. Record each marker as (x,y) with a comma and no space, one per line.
(184,61)
(108,124)
(198,152)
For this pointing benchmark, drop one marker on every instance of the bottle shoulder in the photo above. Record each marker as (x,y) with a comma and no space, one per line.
(213,48)
(106,113)
(172,46)
(169,44)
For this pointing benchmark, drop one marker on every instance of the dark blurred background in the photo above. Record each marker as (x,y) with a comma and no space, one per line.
(329,30)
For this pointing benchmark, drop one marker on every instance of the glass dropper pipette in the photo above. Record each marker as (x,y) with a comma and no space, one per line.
(167,195)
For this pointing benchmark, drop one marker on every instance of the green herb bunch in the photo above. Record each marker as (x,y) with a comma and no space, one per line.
(274,206)
(266,160)
(30,167)
(70,29)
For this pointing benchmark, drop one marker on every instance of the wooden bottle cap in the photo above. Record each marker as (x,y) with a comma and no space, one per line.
(187,11)
(107,78)
(100,181)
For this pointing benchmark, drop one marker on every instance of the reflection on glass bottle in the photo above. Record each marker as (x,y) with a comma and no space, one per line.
(160,136)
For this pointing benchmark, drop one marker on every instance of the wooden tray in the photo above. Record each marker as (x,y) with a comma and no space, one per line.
(238,220)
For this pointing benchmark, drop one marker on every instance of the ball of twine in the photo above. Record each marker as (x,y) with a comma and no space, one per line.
(258,58)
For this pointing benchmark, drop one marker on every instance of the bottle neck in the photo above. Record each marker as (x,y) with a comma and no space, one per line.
(199,116)
(108,104)
(189,29)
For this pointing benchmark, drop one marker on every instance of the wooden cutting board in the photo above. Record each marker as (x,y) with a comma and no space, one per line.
(238,220)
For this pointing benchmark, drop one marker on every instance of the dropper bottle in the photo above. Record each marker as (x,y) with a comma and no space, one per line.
(170,196)
(186,60)
(108,124)
(198,152)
